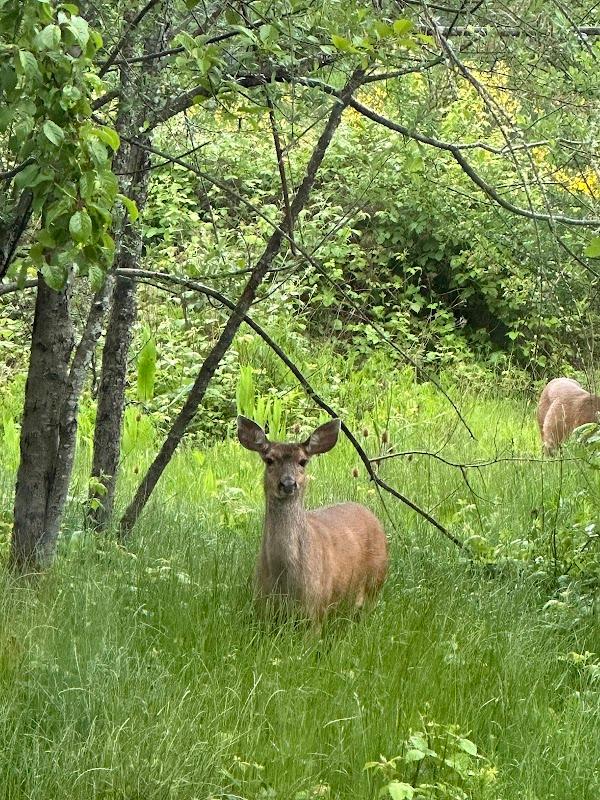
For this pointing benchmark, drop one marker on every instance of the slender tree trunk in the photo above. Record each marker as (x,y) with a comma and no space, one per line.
(113,375)
(132,167)
(244,302)
(111,401)
(51,345)
(67,429)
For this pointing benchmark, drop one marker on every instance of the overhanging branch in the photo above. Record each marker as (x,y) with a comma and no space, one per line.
(149,275)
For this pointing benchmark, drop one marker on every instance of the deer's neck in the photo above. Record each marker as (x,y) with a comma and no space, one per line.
(286,535)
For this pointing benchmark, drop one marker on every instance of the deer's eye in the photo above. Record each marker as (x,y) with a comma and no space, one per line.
(303,462)
(269,461)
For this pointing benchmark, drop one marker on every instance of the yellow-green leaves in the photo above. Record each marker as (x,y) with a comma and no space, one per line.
(593,248)
(108,136)
(130,205)
(146,367)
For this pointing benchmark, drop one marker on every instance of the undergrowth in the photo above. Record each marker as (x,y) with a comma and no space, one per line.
(147,673)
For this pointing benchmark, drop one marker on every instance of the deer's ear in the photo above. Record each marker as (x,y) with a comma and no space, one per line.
(323,438)
(251,435)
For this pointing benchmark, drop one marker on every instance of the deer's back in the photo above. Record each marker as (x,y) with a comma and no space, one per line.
(352,547)
(564,405)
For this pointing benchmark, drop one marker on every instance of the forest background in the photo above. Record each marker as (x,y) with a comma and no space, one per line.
(383,211)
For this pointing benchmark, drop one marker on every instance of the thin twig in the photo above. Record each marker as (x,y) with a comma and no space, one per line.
(128,30)
(10,173)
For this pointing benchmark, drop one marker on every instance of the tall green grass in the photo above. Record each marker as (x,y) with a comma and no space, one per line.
(147,673)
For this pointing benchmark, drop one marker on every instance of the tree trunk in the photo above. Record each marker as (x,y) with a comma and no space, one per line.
(67,429)
(111,401)
(113,376)
(51,345)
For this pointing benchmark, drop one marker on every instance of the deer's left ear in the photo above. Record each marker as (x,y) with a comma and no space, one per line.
(323,438)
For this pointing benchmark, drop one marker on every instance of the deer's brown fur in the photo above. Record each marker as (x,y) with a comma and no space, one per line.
(564,405)
(316,559)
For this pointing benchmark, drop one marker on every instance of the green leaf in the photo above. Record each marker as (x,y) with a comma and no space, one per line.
(459,762)
(27,176)
(96,276)
(109,137)
(8,78)
(46,239)
(186,41)
(48,38)
(245,32)
(80,30)
(71,93)
(57,209)
(414,755)
(52,132)
(55,276)
(400,791)
(97,151)
(382,29)
(343,44)
(146,368)
(131,207)
(419,742)
(268,34)
(402,27)
(102,212)
(468,746)
(80,227)
(593,248)
(232,17)
(29,65)
(87,184)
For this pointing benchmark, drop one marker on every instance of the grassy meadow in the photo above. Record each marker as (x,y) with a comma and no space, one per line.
(146,673)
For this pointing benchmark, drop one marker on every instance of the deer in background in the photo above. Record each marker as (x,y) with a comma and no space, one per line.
(564,405)
(316,559)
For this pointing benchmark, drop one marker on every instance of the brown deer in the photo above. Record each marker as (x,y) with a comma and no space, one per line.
(564,405)
(315,559)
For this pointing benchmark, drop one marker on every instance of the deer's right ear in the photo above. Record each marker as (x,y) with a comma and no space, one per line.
(251,435)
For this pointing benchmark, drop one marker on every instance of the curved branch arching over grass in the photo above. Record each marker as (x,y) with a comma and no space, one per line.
(161,277)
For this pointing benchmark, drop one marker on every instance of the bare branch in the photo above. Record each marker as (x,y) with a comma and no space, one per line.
(14,229)
(105,98)
(139,274)
(245,300)
(10,288)
(10,173)
(127,32)
(458,465)
(245,81)
(281,166)
(455,152)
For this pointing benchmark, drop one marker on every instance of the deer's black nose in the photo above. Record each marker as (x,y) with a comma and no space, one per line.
(287,485)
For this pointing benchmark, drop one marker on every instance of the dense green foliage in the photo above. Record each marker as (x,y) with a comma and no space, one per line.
(47,81)
(445,254)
